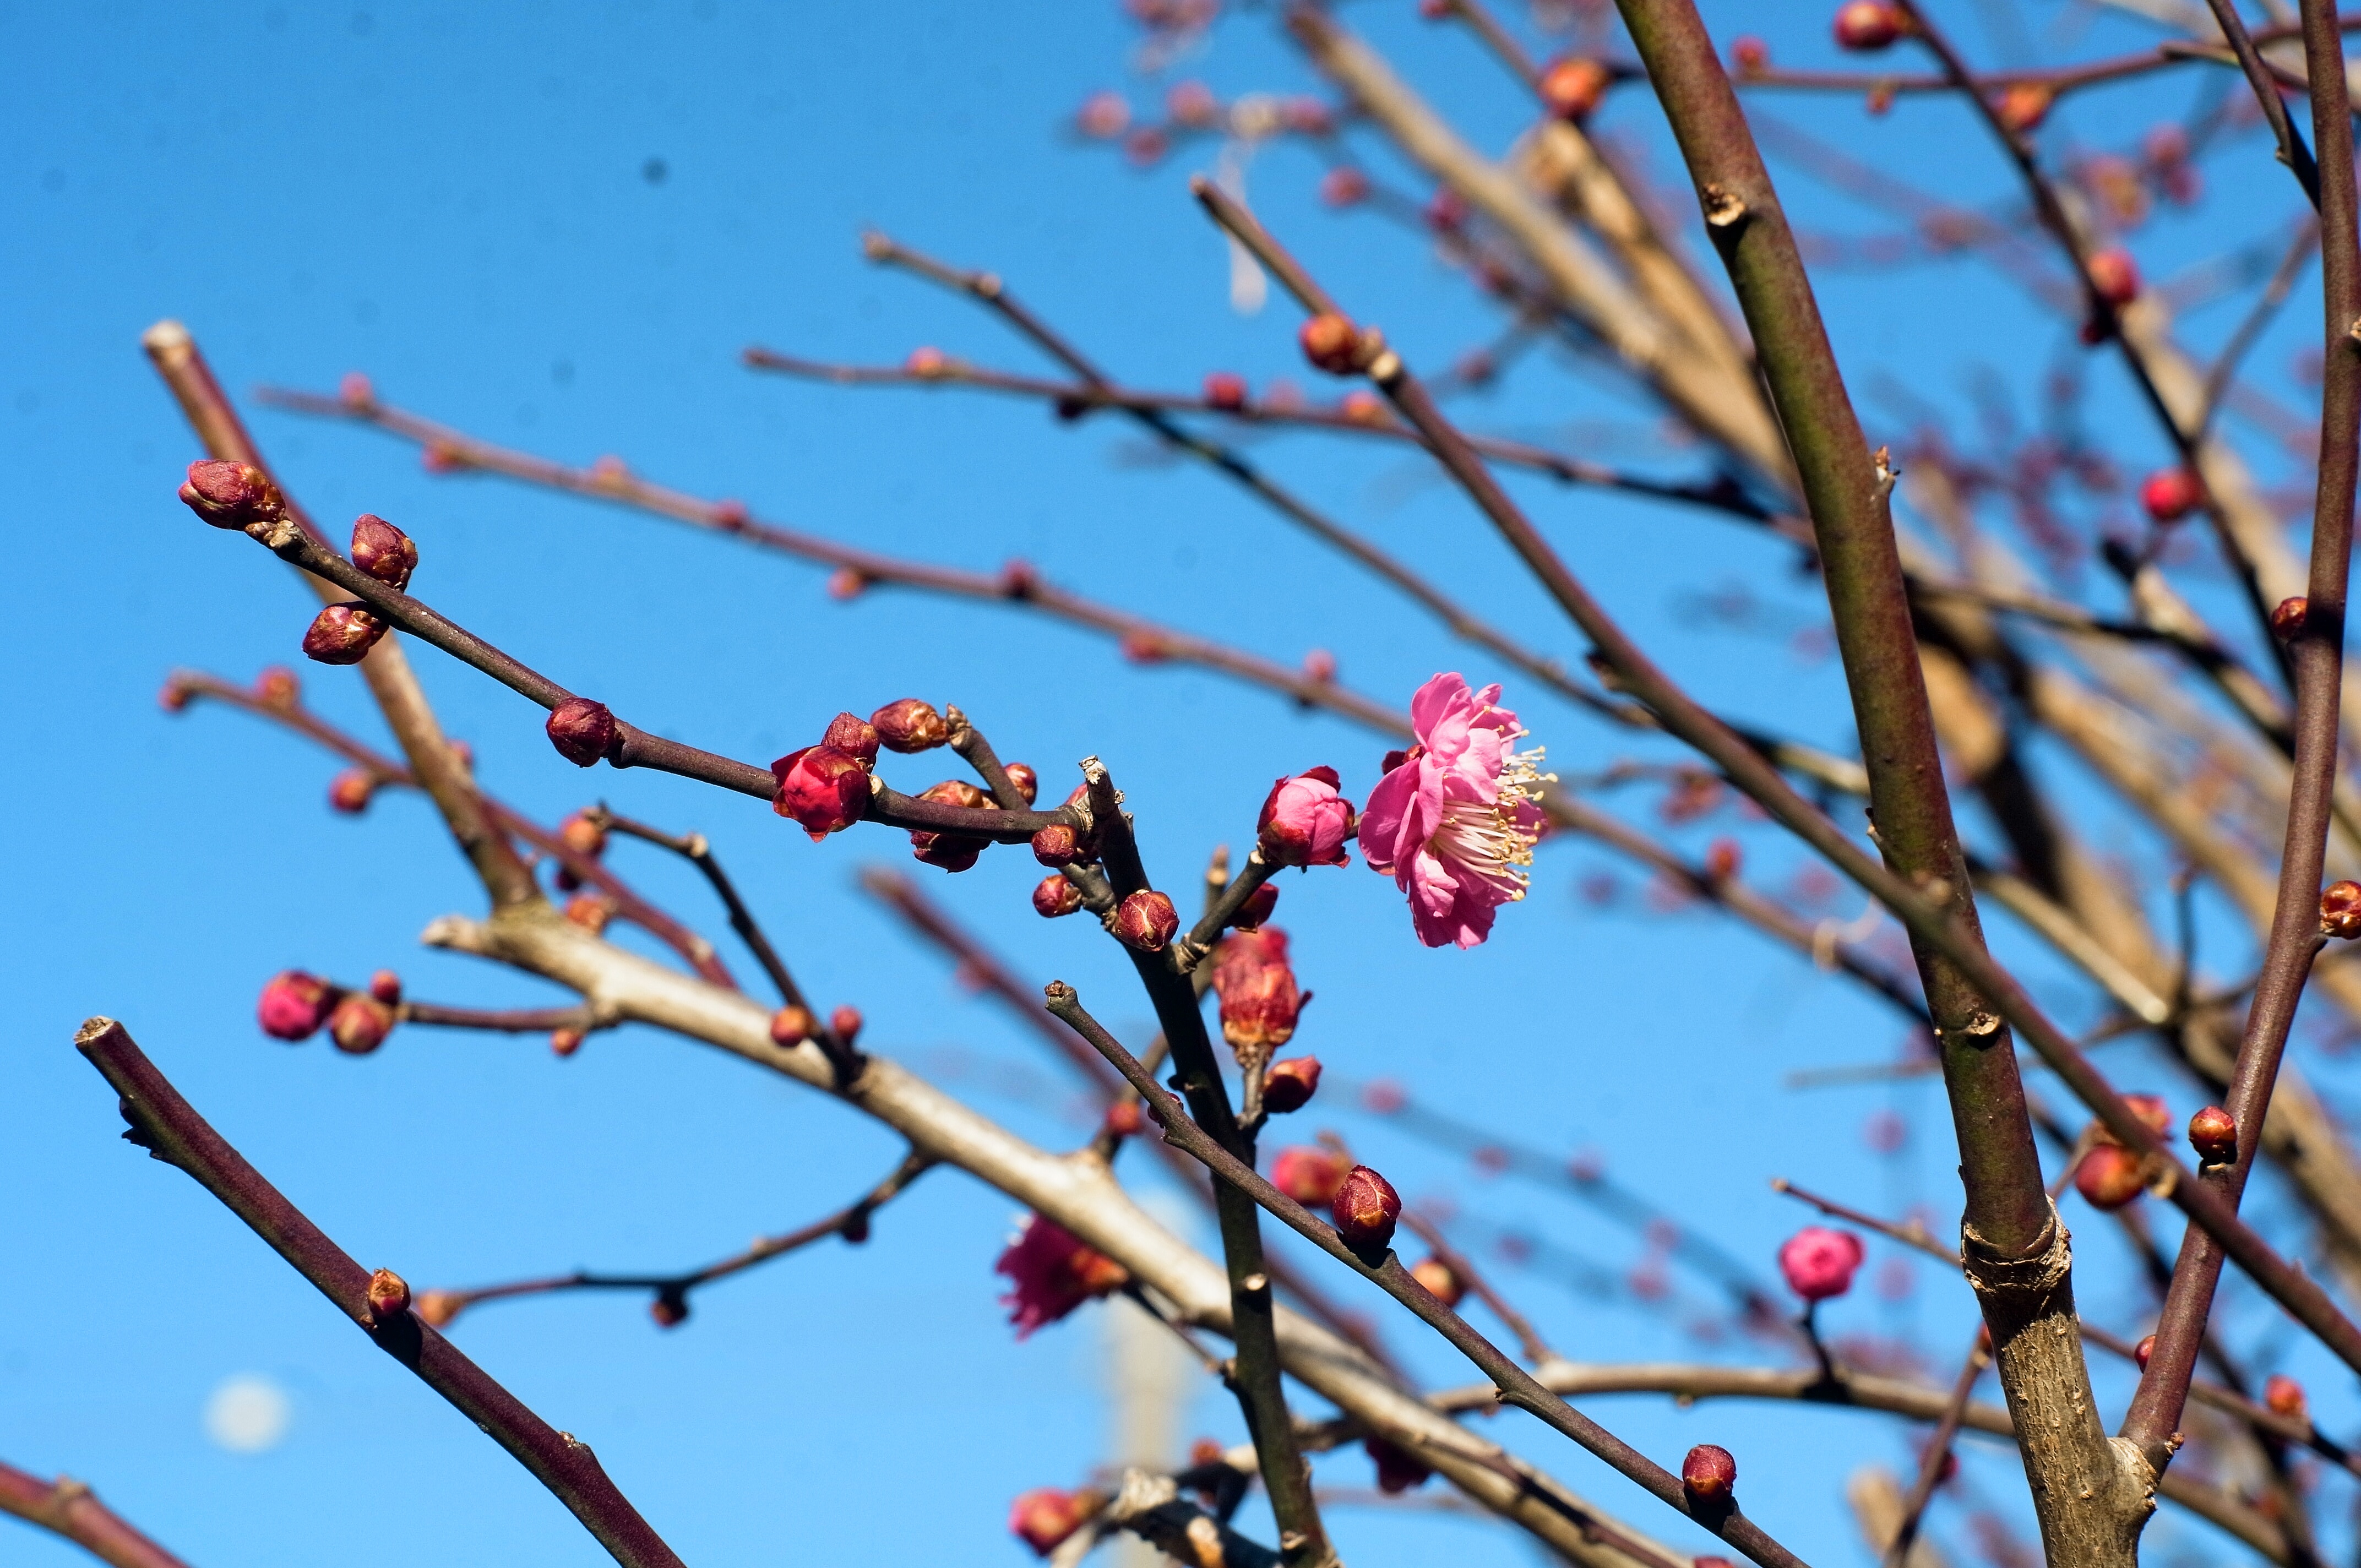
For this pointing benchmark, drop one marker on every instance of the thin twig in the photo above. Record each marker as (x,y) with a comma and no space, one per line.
(70,1509)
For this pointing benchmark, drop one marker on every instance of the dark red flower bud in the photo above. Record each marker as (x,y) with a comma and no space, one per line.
(2109,1176)
(1311,1174)
(349,791)
(1709,1475)
(2289,617)
(1225,391)
(852,733)
(1331,343)
(1027,782)
(952,851)
(1365,1209)
(1146,921)
(1865,26)
(1440,1282)
(1054,896)
(1124,1119)
(910,725)
(2284,1395)
(822,789)
(565,1042)
(278,687)
(1446,211)
(383,551)
(793,1026)
(232,495)
(2170,494)
(388,1295)
(294,1006)
(730,516)
(385,986)
(1058,845)
(2213,1134)
(1397,1469)
(582,730)
(343,634)
(2115,275)
(1256,908)
(1290,1084)
(2142,1351)
(845,1024)
(1722,859)
(2340,909)
(1260,1001)
(1045,1517)
(359,1024)
(668,1309)
(1572,89)
(590,912)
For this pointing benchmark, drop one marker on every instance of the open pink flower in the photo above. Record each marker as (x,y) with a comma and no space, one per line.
(1820,1262)
(1054,1273)
(1453,822)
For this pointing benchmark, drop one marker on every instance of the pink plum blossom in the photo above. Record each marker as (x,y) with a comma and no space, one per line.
(1454,821)
(1818,1262)
(1305,822)
(1053,1273)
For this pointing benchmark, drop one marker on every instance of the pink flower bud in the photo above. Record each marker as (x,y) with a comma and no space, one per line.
(1709,1475)
(2142,1351)
(1866,26)
(294,1006)
(2115,275)
(1027,782)
(952,851)
(1193,103)
(354,390)
(385,986)
(1143,648)
(927,360)
(1750,54)
(1053,1272)
(1103,116)
(2170,494)
(1054,896)
(850,733)
(349,792)
(1304,821)
(441,457)
(823,789)
(2023,105)
(590,912)
(1124,1119)
(359,1024)
(1225,391)
(909,726)
(1320,667)
(232,495)
(388,1295)
(2151,1110)
(845,1024)
(2109,1176)
(1363,407)
(1365,1209)
(844,583)
(343,634)
(1398,1470)
(383,551)
(668,1310)
(564,1042)
(582,730)
(2340,909)
(1572,89)
(1290,1084)
(1146,921)
(1344,186)
(1045,1517)
(1260,1002)
(1440,1282)
(793,1026)
(583,836)
(1307,116)
(1310,1174)
(1446,211)
(1331,343)
(439,1307)
(1256,908)
(2284,1395)
(2289,616)
(1818,1263)
(2213,1134)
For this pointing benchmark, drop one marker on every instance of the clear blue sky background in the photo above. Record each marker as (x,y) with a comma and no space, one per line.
(455,200)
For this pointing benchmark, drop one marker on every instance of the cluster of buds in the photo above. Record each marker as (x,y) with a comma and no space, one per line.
(295,1006)
(1818,1263)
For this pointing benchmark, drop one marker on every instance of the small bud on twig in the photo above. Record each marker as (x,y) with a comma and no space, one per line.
(565,1042)
(385,986)
(294,1006)
(278,687)
(910,725)
(2142,1351)
(388,1295)
(1331,343)
(359,1024)
(1146,921)
(1865,26)
(1310,1174)
(582,730)
(2109,1176)
(952,851)
(343,634)
(793,1026)
(850,733)
(1365,1209)
(351,791)
(1290,1084)
(2289,617)
(2213,1134)
(1709,1476)
(231,495)
(2284,1395)
(1573,88)
(845,1024)
(1256,908)
(2340,909)
(2115,275)
(1225,391)
(1055,897)
(1058,845)
(383,551)
(1440,1282)
(1027,782)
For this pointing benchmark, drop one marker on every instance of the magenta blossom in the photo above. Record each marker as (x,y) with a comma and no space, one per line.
(1818,1262)
(1305,822)
(1453,822)
(1053,1274)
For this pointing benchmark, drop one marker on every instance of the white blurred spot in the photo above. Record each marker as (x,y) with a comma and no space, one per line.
(248,1413)
(1248,287)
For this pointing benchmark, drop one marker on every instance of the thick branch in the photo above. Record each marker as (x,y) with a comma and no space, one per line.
(67,1507)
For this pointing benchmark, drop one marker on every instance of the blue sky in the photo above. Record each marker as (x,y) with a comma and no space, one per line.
(459,202)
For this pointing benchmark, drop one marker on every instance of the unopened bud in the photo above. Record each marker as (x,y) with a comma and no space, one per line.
(1124,1119)
(564,1042)
(582,730)
(438,1307)
(669,1309)
(1019,580)
(844,583)
(590,912)
(278,687)
(583,835)
(1309,1173)
(232,495)
(1866,26)
(294,1006)
(388,1295)
(1059,844)
(173,697)
(385,986)
(952,851)
(791,1025)
(1256,908)
(2289,616)
(2109,1176)
(1344,186)
(1750,54)
(343,634)
(359,1024)
(1146,921)
(1440,1282)
(821,789)
(909,726)
(2284,1395)
(852,733)
(1709,1475)
(383,551)
(1027,782)
(1722,859)
(1290,1084)
(2213,1134)
(2114,276)
(2142,1351)
(2340,909)
(350,791)
(1054,896)
(1331,343)
(845,1024)
(354,390)
(2023,105)
(1363,407)
(1572,89)
(1225,391)
(1365,1209)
